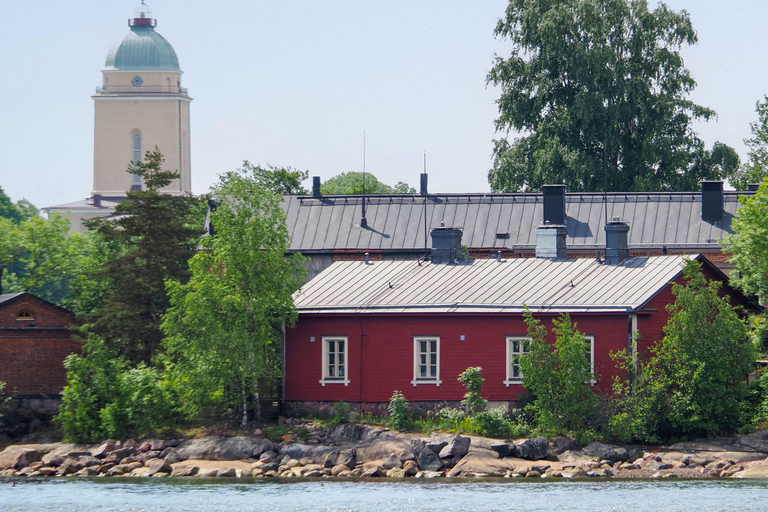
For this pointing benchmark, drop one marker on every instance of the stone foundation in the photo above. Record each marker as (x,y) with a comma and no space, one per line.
(420,408)
(24,414)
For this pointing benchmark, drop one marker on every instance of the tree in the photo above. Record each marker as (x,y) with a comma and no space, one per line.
(756,168)
(279,180)
(157,234)
(748,246)
(224,327)
(559,378)
(18,212)
(599,90)
(696,378)
(357,183)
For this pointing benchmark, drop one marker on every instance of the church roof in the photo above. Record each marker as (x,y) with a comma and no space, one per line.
(142,49)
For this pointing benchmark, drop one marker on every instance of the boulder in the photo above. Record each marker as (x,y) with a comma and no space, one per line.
(396,473)
(158,466)
(615,455)
(600,473)
(88,461)
(502,449)
(70,465)
(598,450)
(481,461)
(219,448)
(53,459)
(296,450)
(171,455)
(263,445)
(436,447)
(338,469)
(103,449)
(430,474)
(268,456)
(564,444)
(25,457)
(88,471)
(429,461)
(331,459)
(143,457)
(533,449)
(410,467)
(393,461)
(456,449)
(348,458)
(227,473)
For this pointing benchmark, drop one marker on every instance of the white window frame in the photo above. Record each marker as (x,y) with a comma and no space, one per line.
(136,179)
(590,338)
(328,379)
(417,379)
(510,380)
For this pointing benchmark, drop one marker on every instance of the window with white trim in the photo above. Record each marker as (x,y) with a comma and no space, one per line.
(426,360)
(136,156)
(335,350)
(516,348)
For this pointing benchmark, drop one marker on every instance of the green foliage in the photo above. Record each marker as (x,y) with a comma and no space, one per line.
(279,180)
(558,377)
(156,234)
(224,327)
(473,382)
(16,212)
(696,379)
(756,168)
(599,90)
(340,413)
(398,411)
(748,246)
(357,183)
(105,398)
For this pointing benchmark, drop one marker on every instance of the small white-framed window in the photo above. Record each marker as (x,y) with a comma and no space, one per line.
(136,156)
(25,316)
(516,348)
(590,355)
(426,360)
(335,351)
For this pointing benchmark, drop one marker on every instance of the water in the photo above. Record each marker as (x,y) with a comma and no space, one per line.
(153,495)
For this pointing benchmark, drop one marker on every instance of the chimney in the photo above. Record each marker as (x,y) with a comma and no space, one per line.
(712,201)
(423,190)
(554,204)
(211,208)
(446,245)
(316,186)
(616,242)
(752,187)
(97,200)
(550,241)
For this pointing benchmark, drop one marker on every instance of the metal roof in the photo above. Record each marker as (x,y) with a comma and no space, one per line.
(142,49)
(397,222)
(488,285)
(9,297)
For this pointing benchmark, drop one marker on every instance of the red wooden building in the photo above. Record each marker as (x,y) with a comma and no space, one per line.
(34,340)
(366,329)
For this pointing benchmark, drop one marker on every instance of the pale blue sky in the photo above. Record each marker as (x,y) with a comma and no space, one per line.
(295,83)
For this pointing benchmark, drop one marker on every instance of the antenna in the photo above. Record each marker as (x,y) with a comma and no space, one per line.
(363,221)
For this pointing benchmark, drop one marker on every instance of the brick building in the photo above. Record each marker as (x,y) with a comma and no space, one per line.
(34,340)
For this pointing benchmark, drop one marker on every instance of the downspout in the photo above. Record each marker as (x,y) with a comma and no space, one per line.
(361,362)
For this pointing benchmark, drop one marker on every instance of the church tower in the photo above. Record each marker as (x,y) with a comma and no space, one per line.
(140,105)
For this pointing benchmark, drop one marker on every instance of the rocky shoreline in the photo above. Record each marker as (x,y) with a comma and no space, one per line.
(355,451)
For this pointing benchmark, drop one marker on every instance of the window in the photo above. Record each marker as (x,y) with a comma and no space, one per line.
(426,360)
(515,349)
(136,156)
(590,355)
(25,316)
(335,350)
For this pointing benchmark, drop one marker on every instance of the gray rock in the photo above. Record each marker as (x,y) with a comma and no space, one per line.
(69,466)
(393,461)
(598,450)
(184,470)
(331,459)
(457,448)
(564,444)
(436,448)
(757,441)
(145,456)
(88,471)
(396,473)
(615,455)
(540,468)
(338,469)
(158,466)
(25,457)
(503,449)
(88,461)
(533,449)
(600,473)
(219,448)
(53,459)
(157,445)
(297,450)
(268,456)
(171,455)
(103,449)
(410,467)
(265,445)
(429,461)
(349,432)
(227,473)
(657,466)
(348,458)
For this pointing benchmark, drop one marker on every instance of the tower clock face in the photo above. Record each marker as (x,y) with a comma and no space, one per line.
(137,81)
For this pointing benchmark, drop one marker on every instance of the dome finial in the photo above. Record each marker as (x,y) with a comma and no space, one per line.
(142,15)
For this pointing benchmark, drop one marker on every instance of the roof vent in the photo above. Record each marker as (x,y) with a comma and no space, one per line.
(424,179)
(616,242)
(446,245)
(712,201)
(316,186)
(554,204)
(550,241)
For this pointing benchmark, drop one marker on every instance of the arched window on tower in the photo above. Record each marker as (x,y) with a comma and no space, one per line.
(136,157)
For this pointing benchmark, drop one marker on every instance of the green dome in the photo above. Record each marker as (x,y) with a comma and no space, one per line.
(143,49)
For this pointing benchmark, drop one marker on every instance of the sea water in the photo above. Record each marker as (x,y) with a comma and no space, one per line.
(188,495)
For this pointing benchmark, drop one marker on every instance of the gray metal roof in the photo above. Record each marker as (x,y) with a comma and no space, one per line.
(397,222)
(9,296)
(488,285)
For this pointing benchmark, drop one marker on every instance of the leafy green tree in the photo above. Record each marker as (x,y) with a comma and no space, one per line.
(157,234)
(748,246)
(559,378)
(473,401)
(8,210)
(756,168)
(357,183)
(224,327)
(599,91)
(280,180)
(695,381)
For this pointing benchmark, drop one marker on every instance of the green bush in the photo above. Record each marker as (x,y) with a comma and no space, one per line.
(473,382)
(398,411)
(340,413)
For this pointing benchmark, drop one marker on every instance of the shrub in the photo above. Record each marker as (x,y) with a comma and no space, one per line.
(473,382)
(398,411)
(340,413)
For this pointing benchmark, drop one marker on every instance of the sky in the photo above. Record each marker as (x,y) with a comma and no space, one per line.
(302,83)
